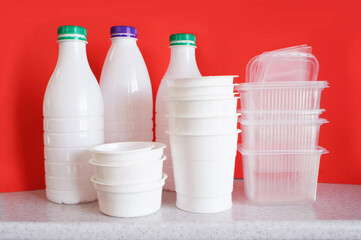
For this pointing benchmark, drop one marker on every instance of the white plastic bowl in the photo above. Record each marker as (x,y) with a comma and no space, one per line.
(281,177)
(66,169)
(271,135)
(204,186)
(130,201)
(203,106)
(206,147)
(219,124)
(128,173)
(201,81)
(201,91)
(79,139)
(107,153)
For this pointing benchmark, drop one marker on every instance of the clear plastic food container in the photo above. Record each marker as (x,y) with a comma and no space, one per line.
(287,64)
(281,96)
(281,177)
(271,135)
(297,115)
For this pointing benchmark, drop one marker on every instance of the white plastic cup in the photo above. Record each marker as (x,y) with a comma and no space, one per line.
(129,201)
(204,186)
(201,91)
(202,106)
(66,169)
(201,81)
(219,124)
(203,168)
(129,173)
(114,153)
(204,147)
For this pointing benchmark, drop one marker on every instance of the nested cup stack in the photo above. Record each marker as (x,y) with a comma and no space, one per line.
(280,108)
(128,177)
(202,114)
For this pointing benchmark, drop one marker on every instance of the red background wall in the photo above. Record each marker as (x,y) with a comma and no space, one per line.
(229,33)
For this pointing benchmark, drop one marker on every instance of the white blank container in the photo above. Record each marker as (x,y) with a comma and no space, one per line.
(201,91)
(218,124)
(71,197)
(78,139)
(79,124)
(112,137)
(301,135)
(129,201)
(65,169)
(202,106)
(69,183)
(201,81)
(204,147)
(128,173)
(204,186)
(298,115)
(281,177)
(115,153)
(281,96)
(72,155)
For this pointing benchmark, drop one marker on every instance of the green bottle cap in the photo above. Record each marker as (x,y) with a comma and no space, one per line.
(182,39)
(69,32)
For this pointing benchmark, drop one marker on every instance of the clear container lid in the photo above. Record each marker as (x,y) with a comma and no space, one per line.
(283,65)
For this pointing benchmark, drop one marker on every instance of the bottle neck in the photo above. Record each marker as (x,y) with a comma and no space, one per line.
(72,52)
(124,41)
(182,62)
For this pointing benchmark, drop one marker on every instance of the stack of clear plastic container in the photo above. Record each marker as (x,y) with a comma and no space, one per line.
(202,114)
(280,126)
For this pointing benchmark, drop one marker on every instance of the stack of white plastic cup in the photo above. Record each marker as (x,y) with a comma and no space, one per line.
(128,177)
(202,114)
(280,126)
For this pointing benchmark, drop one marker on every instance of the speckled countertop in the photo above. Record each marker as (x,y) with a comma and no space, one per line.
(335,215)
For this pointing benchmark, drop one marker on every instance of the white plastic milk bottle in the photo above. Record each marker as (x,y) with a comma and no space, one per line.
(73,121)
(126,89)
(182,65)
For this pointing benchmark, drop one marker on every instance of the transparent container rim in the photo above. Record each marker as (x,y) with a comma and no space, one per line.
(318,150)
(290,122)
(279,85)
(311,111)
